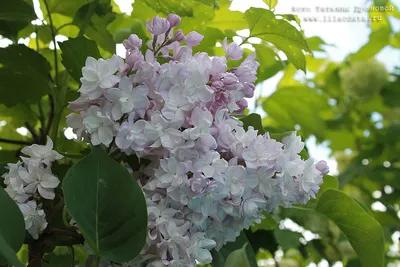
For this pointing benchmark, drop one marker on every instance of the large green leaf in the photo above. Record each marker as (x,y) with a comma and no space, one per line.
(287,239)
(263,24)
(74,54)
(24,60)
(14,16)
(12,230)
(220,257)
(16,10)
(108,206)
(24,71)
(363,231)
(238,258)
(300,105)
(269,63)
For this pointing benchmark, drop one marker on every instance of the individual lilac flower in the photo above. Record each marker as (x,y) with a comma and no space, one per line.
(100,126)
(157,25)
(98,75)
(162,133)
(200,247)
(261,151)
(247,70)
(262,177)
(39,179)
(210,164)
(293,143)
(171,172)
(133,42)
(34,217)
(126,98)
(46,153)
(235,180)
(232,50)
(131,135)
(193,38)
(323,167)
(174,20)
(310,177)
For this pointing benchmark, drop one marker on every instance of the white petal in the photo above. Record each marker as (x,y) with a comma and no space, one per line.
(105,135)
(47,193)
(49,181)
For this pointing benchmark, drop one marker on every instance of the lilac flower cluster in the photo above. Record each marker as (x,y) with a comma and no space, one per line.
(208,178)
(32,176)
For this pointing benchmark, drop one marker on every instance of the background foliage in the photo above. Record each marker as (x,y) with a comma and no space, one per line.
(352,105)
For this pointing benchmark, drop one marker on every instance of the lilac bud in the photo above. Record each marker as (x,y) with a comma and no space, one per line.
(232,51)
(231,82)
(174,20)
(133,42)
(322,166)
(157,25)
(134,58)
(194,38)
(179,36)
(248,90)
(218,84)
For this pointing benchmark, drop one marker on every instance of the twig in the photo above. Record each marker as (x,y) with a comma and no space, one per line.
(15,142)
(62,26)
(33,133)
(51,115)
(53,35)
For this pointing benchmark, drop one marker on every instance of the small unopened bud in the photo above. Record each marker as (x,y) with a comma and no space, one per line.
(231,82)
(322,166)
(133,42)
(157,25)
(174,20)
(179,36)
(248,90)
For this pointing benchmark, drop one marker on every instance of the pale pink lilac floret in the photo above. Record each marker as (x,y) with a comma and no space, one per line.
(208,178)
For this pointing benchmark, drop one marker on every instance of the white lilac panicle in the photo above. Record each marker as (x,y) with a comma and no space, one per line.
(208,177)
(29,177)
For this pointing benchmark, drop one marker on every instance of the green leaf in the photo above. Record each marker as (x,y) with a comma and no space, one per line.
(24,60)
(269,63)
(220,256)
(377,41)
(238,258)
(363,231)
(287,239)
(30,87)
(67,8)
(113,217)
(12,230)
(97,23)
(227,19)
(254,120)
(24,70)
(329,182)
(263,24)
(16,10)
(300,105)
(271,3)
(268,223)
(74,54)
